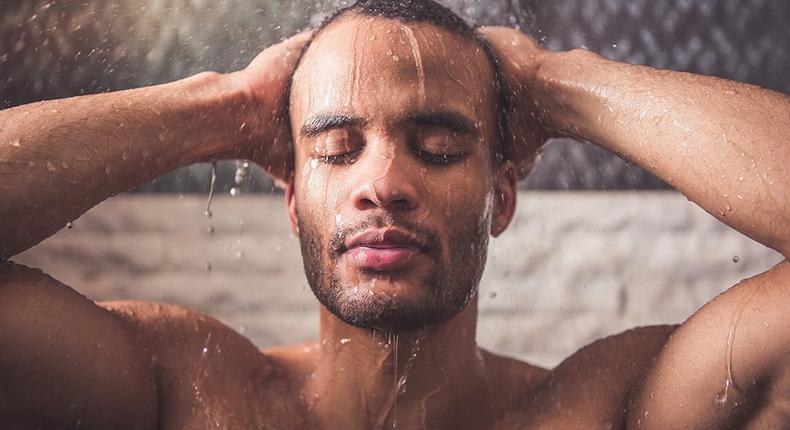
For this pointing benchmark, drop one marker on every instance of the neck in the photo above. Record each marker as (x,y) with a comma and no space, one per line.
(370,379)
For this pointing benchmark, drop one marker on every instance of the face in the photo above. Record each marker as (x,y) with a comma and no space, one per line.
(394,191)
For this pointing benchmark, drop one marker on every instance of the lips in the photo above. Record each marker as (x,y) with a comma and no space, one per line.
(384,249)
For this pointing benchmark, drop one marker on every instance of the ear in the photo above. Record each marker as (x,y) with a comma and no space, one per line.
(290,202)
(504,197)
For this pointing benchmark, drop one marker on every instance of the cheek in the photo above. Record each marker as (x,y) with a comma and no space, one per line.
(317,189)
(464,193)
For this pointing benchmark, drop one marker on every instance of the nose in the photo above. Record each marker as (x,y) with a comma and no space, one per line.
(386,180)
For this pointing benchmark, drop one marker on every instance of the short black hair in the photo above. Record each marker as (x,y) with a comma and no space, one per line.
(428,11)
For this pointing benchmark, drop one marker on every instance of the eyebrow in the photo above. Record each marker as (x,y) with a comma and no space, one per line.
(454,121)
(320,123)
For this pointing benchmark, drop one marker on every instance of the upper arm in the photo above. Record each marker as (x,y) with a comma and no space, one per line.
(64,361)
(686,387)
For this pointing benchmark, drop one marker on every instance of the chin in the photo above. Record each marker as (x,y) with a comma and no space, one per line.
(388,303)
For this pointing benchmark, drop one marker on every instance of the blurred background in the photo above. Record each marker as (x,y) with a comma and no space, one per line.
(577,264)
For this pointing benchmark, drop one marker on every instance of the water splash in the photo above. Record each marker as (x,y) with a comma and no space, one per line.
(242,177)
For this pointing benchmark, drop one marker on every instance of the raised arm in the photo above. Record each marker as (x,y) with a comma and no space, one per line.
(724,144)
(66,362)
(60,158)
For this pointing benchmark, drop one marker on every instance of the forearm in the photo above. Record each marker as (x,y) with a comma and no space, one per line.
(723,144)
(60,158)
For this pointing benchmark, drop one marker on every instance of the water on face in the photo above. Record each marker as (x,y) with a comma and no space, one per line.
(415,50)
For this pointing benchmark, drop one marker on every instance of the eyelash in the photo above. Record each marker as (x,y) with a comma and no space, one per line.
(438,159)
(345,158)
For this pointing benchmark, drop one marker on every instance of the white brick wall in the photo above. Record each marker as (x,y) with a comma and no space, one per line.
(573,266)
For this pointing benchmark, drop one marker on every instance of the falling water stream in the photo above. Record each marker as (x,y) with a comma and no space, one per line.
(211,188)
(395,385)
(730,389)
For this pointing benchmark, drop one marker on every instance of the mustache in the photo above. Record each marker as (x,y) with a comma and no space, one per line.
(340,234)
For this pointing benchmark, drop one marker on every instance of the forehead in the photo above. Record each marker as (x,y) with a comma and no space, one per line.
(375,68)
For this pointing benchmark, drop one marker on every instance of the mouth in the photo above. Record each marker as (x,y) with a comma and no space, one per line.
(383,250)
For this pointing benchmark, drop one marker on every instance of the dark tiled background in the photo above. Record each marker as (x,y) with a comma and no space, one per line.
(64,48)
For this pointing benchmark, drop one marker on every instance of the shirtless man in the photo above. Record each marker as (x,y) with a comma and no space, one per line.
(405,159)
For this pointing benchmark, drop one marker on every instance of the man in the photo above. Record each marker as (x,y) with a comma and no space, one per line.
(405,158)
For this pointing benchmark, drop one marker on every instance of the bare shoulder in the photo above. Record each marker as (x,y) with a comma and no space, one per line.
(516,377)
(208,371)
(65,361)
(177,338)
(591,388)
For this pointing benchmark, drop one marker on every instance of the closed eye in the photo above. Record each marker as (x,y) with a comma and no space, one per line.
(438,144)
(344,158)
(440,159)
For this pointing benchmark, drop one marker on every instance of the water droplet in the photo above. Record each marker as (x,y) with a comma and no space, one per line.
(210,229)
(15,143)
(208,267)
(735,259)
(51,167)
(345,340)
(234,191)
(69,224)
(492,295)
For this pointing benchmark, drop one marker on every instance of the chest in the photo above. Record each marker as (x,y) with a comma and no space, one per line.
(216,395)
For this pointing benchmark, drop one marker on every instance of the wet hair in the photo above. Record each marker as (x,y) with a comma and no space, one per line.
(428,11)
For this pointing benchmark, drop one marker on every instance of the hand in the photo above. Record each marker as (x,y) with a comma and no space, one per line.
(265,81)
(521,58)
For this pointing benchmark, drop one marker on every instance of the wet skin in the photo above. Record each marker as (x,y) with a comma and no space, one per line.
(68,362)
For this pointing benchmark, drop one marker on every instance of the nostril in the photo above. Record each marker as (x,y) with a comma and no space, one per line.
(366,203)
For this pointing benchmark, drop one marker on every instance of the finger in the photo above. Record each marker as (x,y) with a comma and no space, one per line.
(294,44)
